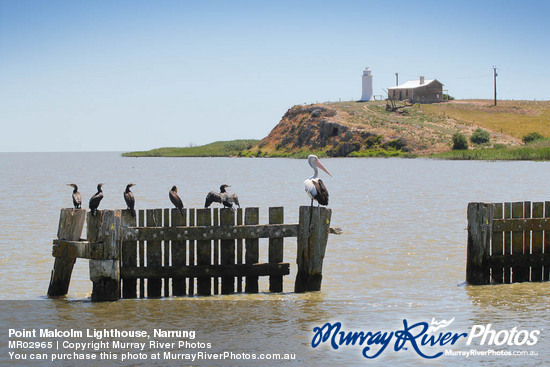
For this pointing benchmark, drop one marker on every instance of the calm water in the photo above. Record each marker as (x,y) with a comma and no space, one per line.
(401,256)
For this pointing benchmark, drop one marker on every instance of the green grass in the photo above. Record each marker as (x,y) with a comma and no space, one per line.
(536,151)
(216,149)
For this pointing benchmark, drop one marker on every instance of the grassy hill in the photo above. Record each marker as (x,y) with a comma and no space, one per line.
(216,149)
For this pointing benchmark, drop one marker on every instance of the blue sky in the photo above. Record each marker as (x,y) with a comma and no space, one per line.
(136,75)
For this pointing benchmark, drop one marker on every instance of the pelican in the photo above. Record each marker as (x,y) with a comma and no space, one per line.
(77,198)
(314,187)
(223,197)
(96,199)
(175,199)
(129,199)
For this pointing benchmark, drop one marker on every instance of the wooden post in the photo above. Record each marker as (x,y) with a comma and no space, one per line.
(179,249)
(519,273)
(313,232)
(128,256)
(71,222)
(480,223)
(154,254)
(216,248)
(191,252)
(251,217)
(141,252)
(166,253)
(239,250)
(276,216)
(103,229)
(227,250)
(204,253)
(536,271)
(497,247)
(546,269)
(507,243)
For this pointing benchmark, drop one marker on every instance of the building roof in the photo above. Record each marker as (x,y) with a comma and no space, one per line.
(411,84)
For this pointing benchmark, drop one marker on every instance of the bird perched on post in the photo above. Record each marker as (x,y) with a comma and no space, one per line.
(314,187)
(77,198)
(223,197)
(96,199)
(175,199)
(129,199)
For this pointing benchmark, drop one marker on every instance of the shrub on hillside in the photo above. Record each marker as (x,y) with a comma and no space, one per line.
(480,136)
(531,137)
(459,141)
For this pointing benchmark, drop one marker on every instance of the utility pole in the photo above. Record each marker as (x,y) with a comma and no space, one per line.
(396,79)
(495,82)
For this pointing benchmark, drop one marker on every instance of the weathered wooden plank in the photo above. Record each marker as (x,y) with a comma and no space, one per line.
(128,256)
(210,232)
(141,253)
(521,224)
(227,252)
(239,259)
(507,243)
(527,238)
(480,217)
(546,250)
(533,260)
(216,245)
(192,251)
(204,253)
(166,253)
(105,274)
(519,273)
(71,222)
(497,244)
(179,250)
(201,271)
(538,238)
(312,241)
(251,217)
(276,216)
(154,255)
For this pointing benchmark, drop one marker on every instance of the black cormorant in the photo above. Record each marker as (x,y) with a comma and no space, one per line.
(96,199)
(130,200)
(77,198)
(175,199)
(222,197)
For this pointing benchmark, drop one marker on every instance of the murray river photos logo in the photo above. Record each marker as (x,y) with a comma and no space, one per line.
(421,337)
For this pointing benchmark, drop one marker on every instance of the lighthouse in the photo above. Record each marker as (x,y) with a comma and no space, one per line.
(367,85)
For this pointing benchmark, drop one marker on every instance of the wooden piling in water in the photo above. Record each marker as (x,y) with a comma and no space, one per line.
(480,217)
(313,232)
(103,230)
(128,255)
(509,245)
(251,217)
(154,253)
(71,222)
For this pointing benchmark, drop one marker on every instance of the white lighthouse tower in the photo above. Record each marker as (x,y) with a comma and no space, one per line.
(367,85)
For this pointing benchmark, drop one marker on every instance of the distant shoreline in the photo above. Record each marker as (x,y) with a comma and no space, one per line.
(368,129)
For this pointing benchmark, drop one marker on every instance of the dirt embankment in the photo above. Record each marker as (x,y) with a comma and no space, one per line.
(367,128)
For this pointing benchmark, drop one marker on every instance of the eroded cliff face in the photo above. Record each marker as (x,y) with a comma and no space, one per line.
(315,128)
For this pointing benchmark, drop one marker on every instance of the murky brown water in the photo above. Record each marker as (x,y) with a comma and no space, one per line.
(402,254)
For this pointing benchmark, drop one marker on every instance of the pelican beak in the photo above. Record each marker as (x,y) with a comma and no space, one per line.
(320,165)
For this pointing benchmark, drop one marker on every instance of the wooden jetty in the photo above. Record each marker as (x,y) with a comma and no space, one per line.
(508,242)
(164,252)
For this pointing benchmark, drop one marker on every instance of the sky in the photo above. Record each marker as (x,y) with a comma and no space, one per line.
(137,75)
